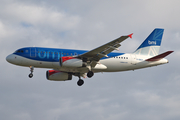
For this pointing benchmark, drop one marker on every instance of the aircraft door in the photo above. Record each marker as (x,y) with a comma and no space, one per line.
(133,59)
(33,52)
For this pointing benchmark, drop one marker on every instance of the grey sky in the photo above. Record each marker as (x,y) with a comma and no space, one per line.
(151,93)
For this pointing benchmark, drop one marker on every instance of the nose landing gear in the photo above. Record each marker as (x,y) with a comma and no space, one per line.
(31,69)
(30,75)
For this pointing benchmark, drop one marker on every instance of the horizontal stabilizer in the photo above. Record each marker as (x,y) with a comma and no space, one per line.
(159,57)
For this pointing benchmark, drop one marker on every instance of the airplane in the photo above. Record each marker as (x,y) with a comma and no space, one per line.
(66,63)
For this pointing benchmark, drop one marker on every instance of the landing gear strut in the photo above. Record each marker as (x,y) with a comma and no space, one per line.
(31,69)
(80,82)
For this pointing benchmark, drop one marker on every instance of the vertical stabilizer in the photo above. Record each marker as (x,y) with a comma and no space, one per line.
(152,43)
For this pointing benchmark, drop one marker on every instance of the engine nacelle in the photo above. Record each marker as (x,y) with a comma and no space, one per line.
(70,62)
(55,75)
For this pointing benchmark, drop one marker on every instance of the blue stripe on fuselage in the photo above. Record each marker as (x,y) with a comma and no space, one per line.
(52,54)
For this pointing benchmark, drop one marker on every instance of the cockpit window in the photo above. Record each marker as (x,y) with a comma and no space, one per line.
(19,51)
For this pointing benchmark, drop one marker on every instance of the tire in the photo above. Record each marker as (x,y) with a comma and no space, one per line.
(80,82)
(90,74)
(30,75)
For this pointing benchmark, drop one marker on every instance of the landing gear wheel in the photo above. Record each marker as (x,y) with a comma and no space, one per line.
(90,74)
(31,69)
(80,82)
(30,75)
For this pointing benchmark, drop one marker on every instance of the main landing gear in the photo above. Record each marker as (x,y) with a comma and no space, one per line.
(31,69)
(90,74)
(80,82)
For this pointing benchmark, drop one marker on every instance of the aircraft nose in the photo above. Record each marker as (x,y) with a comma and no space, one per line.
(9,58)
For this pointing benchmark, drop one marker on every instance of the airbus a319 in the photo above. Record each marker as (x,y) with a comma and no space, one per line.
(66,63)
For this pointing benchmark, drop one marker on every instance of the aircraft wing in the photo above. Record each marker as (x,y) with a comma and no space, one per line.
(102,51)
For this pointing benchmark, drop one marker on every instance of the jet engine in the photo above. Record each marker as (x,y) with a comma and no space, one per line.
(55,75)
(70,62)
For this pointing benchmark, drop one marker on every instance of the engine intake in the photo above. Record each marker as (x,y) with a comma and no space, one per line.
(55,75)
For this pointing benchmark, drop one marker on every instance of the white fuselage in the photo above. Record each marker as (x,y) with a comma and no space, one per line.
(113,64)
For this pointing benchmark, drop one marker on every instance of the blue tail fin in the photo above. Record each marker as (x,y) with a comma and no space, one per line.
(152,43)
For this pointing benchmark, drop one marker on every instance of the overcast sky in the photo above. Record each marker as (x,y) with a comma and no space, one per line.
(146,94)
